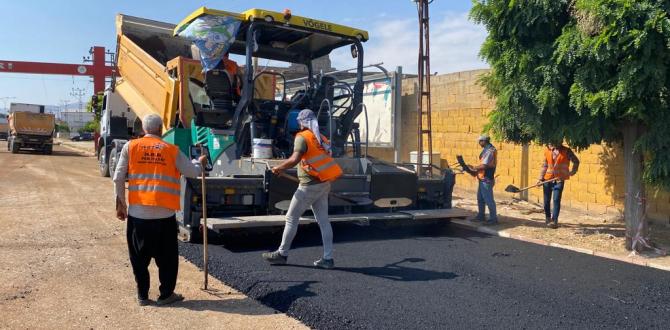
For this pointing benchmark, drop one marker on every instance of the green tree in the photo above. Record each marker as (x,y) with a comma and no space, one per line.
(62,126)
(585,71)
(94,105)
(89,127)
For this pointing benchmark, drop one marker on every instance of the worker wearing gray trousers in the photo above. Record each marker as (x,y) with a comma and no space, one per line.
(311,150)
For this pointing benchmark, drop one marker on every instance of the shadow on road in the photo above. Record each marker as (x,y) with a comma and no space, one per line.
(67,153)
(309,235)
(225,303)
(395,271)
(283,299)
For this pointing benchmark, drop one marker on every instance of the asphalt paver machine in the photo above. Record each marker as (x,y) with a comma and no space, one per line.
(160,71)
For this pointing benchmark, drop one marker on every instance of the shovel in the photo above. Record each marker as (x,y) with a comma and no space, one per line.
(204,221)
(353,200)
(514,189)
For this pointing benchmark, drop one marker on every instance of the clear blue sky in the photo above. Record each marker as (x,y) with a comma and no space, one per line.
(63,31)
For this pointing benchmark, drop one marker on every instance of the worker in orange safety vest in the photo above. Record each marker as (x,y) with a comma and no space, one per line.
(316,171)
(556,165)
(485,174)
(153,169)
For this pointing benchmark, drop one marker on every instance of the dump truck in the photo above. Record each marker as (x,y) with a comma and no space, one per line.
(117,123)
(29,130)
(4,126)
(161,72)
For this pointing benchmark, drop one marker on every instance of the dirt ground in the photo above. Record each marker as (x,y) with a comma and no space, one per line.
(597,233)
(64,264)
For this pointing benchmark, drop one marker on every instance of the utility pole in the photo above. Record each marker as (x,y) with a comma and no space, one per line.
(78,93)
(423,96)
(5,99)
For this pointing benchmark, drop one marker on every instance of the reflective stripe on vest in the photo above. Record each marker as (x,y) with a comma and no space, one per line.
(489,172)
(153,188)
(559,168)
(316,162)
(316,159)
(153,177)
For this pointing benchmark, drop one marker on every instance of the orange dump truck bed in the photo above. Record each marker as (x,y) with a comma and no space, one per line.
(32,123)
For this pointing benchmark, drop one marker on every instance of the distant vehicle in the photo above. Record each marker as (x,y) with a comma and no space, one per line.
(4,126)
(83,137)
(26,107)
(31,130)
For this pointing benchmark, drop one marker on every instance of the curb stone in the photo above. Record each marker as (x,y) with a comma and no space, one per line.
(635,260)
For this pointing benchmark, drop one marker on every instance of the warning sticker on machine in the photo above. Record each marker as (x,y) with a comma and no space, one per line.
(215,143)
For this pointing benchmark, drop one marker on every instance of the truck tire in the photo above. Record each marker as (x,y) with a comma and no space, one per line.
(14,147)
(103,165)
(111,164)
(189,229)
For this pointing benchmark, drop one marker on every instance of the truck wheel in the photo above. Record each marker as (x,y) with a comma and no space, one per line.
(111,165)
(102,162)
(189,221)
(14,147)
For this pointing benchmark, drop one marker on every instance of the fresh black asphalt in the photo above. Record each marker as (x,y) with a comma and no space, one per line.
(439,276)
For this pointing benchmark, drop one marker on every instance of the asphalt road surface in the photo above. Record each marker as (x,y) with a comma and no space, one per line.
(438,276)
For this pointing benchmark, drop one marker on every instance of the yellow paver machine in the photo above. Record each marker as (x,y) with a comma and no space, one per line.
(178,72)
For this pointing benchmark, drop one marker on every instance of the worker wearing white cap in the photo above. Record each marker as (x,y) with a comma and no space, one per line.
(485,173)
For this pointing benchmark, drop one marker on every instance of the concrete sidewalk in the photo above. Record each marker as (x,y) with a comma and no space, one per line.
(602,235)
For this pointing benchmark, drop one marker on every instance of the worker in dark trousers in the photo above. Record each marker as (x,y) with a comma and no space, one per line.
(556,164)
(152,168)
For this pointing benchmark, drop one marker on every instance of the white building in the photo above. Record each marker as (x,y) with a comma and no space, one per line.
(76,120)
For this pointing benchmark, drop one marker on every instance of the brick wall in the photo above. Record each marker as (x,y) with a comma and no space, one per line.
(459,112)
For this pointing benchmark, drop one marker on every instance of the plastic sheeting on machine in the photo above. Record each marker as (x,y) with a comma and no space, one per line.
(213,35)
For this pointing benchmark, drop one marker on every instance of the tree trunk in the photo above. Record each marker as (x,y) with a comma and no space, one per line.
(635,202)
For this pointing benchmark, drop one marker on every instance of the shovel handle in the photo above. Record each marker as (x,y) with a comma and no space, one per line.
(204,223)
(539,184)
(281,174)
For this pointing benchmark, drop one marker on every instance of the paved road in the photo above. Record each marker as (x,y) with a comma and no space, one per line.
(442,277)
(64,260)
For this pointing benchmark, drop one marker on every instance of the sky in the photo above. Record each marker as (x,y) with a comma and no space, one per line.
(63,31)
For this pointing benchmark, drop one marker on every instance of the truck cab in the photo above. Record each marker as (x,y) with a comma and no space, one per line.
(118,124)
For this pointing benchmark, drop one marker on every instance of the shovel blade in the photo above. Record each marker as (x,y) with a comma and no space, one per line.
(512,189)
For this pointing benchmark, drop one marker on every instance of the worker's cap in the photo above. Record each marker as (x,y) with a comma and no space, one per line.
(484,137)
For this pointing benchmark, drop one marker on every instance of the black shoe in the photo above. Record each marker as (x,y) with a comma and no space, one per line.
(144,302)
(325,263)
(547,221)
(173,298)
(274,258)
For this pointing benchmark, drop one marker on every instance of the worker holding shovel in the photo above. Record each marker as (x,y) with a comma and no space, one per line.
(316,171)
(555,171)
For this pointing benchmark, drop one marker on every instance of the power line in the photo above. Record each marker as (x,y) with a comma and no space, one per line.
(79,93)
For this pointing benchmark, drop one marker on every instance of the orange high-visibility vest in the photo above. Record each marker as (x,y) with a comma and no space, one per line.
(153,177)
(490,171)
(559,168)
(232,68)
(316,161)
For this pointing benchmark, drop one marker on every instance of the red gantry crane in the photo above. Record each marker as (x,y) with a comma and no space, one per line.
(98,69)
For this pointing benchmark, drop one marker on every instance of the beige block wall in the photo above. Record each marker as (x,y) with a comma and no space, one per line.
(459,113)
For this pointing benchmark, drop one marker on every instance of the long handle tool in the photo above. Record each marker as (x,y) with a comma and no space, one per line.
(204,220)
(514,189)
